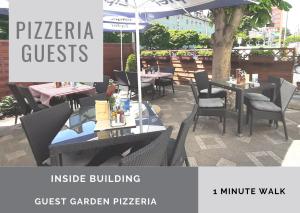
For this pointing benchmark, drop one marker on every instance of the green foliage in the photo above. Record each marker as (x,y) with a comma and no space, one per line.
(261,52)
(156,37)
(292,39)
(257,40)
(178,39)
(115,37)
(162,53)
(205,41)
(131,63)
(192,37)
(8,105)
(4,27)
(205,53)
(246,25)
(147,53)
(110,37)
(245,38)
(258,15)
(182,53)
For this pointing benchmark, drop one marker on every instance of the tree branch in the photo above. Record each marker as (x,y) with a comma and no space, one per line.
(234,22)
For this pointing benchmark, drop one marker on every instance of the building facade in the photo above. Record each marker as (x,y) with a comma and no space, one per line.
(196,21)
(277,19)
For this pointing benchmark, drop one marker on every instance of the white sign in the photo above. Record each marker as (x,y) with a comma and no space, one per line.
(54,40)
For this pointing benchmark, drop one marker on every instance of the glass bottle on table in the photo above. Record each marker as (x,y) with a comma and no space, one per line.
(122,116)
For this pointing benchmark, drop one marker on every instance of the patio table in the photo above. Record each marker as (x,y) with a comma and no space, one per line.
(148,80)
(78,133)
(240,90)
(45,92)
(157,75)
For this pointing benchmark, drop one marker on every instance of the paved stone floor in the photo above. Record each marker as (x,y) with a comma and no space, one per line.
(205,147)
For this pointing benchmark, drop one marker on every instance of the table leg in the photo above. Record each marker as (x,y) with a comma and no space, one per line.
(274,94)
(209,90)
(240,99)
(55,159)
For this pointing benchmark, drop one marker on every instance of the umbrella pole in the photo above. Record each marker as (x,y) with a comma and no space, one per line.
(122,68)
(138,66)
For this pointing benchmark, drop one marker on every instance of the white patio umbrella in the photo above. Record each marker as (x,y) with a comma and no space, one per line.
(148,10)
(152,9)
(4,7)
(121,24)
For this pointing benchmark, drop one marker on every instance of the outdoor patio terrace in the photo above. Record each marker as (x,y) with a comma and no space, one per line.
(205,147)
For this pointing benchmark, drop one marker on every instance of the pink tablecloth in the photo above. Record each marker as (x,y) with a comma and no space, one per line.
(47,91)
(157,75)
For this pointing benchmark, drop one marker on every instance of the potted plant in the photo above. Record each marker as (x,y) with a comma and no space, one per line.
(163,55)
(131,63)
(205,55)
(147,55)
(184,55)
(8,106)
(261,56)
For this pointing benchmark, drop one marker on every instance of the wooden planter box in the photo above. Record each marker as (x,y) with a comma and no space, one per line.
(234,58)
(185,58)
(148,58)
(205,58)
(163,58)
(261,59)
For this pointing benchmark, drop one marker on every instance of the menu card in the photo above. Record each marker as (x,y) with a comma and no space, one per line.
(102,110)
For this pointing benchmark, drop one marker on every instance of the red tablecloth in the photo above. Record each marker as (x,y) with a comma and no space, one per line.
(47,91)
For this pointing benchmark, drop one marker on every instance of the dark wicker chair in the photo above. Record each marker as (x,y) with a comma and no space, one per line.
(22,107)
(35,106)
(202,83)
(153,154)
(133,82)
(209,107)
(273,111)
(267,95)
(41,128)
(90,100)
(121,78)
(101,87)
(164,82)
(176,147)
(152,69)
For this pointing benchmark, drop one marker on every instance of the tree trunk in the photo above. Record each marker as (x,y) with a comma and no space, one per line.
(221,65)
(226,24)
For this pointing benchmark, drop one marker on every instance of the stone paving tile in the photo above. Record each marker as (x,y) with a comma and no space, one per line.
(205,147)
(6,138)
(15,155)
(225,162)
